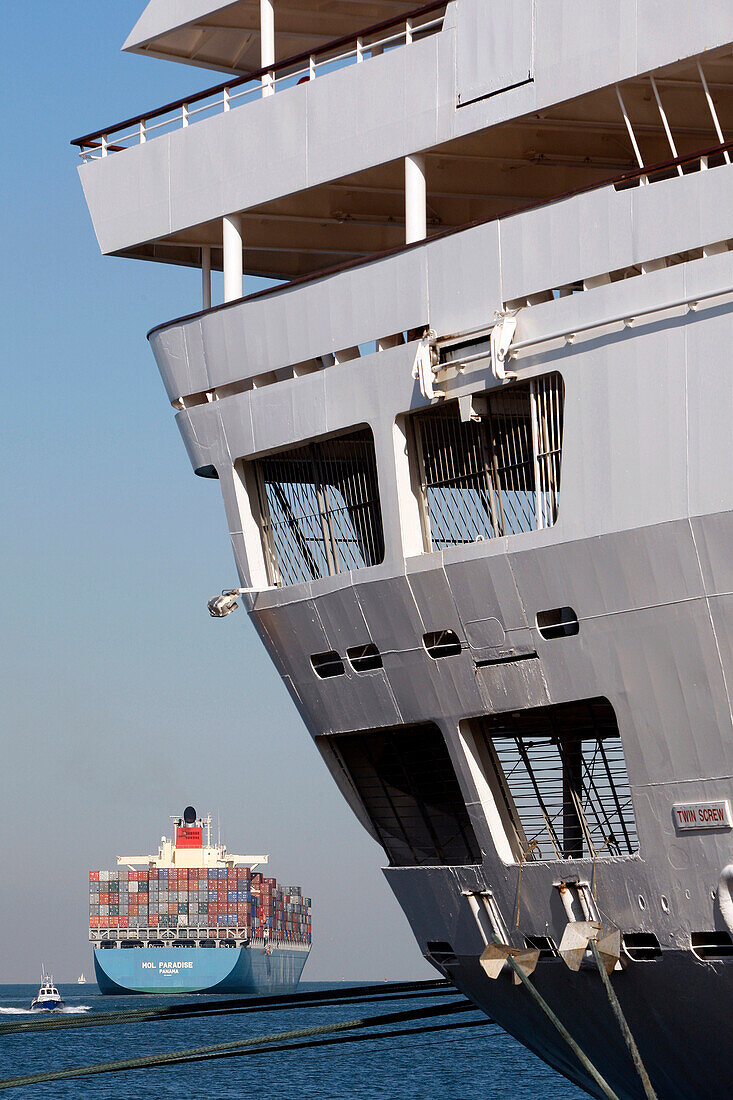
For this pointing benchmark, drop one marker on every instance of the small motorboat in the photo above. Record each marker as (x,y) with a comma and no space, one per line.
(48,997)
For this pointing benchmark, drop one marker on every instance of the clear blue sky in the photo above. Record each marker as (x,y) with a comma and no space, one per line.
(120,699)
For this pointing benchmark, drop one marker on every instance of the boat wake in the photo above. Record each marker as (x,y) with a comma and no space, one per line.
(68,1010)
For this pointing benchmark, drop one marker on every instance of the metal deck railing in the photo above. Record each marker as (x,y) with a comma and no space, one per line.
(299,69)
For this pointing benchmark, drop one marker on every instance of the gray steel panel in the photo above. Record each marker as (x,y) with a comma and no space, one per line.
(710,409)
(682,213)
(358,117)
(431,592)
(296,632)
(648,566)
(220,170)
(342,620)
(488,603)
(236,418)
(465,260)
(676,28)
(179,374)
(721,614)
(665,662)
(426,690)
(516,685)
(588,44)
(494,46)
(201,435)
(558,244)
(391,614)
(713,540)
(128,195)
(625,415)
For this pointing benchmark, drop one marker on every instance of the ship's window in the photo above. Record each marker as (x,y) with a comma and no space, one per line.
(328,664)
(406,781)
(494,476)
(441,952)
(319,508)
(711,945)
(559,778)
(364,658)
(544,944)
(641,946)
(560,622)
(442,643)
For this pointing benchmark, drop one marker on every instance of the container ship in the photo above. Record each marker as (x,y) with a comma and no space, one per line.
(473,445)
(196,919)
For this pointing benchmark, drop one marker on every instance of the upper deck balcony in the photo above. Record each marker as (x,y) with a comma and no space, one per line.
(503,104)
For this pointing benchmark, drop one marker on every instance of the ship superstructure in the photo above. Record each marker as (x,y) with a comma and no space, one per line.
(473,452)
(158,923)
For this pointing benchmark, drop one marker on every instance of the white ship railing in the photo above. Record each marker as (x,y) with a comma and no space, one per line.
(299,69)
(145,934)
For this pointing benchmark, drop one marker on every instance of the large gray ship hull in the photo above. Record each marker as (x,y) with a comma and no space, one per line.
(532,716)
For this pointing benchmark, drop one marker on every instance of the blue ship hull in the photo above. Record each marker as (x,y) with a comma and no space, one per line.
(198,970)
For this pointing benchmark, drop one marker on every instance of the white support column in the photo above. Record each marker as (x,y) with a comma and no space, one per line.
(630,131)
(267,44)
(416,200)
(713,112)
(665,124)
(205,277)
(233,262)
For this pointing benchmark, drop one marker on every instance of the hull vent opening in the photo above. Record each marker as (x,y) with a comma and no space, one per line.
(440,952)
(641,946)
(319,510)
(494,476)
(560,622)
(328,664)
(442,643)
(364,658)
(711,945)
(406,782)
(559,779)
(544,944)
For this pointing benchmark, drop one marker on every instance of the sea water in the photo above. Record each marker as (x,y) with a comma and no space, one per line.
(482,1062)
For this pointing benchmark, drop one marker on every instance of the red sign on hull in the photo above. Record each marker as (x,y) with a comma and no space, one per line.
(189,837)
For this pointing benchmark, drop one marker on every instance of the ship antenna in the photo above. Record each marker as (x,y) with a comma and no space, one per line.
(218,830)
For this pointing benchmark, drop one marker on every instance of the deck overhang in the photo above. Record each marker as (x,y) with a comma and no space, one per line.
(226,37)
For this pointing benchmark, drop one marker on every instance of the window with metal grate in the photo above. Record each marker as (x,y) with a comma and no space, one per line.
(562,777)
(406,781)
(319,511)
(498,475)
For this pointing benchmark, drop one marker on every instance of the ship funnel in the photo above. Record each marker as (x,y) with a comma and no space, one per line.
(189,815)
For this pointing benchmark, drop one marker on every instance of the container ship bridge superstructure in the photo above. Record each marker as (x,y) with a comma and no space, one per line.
(161,923)
(473,446)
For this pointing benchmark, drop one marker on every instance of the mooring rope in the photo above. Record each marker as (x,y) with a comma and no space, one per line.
(257,1045)
(560,1027)
(622,1023)
(370,994)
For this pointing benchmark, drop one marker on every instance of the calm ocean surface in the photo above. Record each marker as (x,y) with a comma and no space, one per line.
(482,1062)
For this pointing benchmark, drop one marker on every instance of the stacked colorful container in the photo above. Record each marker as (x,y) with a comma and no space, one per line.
(220,898)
